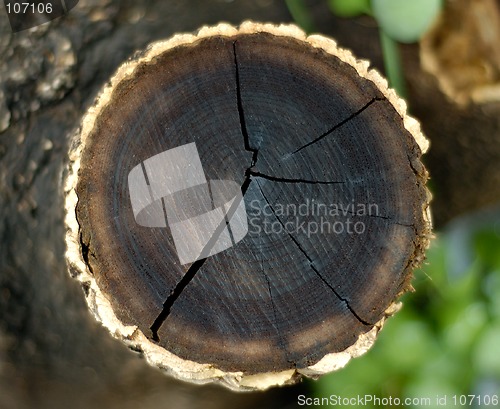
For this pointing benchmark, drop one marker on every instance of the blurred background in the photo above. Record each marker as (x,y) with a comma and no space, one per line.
(442,56)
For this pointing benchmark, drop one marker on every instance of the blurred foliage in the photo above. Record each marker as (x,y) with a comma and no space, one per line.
(301,15)
(445,340)
(405,21)
(349,8)
(399,21)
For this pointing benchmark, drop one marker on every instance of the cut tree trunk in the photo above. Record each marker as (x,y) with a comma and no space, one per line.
(312,252)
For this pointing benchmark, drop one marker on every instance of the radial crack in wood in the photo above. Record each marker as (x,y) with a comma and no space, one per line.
(195,267)
(241,112)
(311,263)
(285,180)
(250,204)
(343,122)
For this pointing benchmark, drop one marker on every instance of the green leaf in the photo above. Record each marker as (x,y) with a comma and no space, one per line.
(406,334)
(462,333)
(405,20)
(487,244)
(392,63)
(349,8)
(486,356)
(301,14)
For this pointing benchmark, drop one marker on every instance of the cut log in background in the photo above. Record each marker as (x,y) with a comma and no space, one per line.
(52,353)
(293,121)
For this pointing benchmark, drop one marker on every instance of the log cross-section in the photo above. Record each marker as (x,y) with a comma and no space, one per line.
(246,205)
